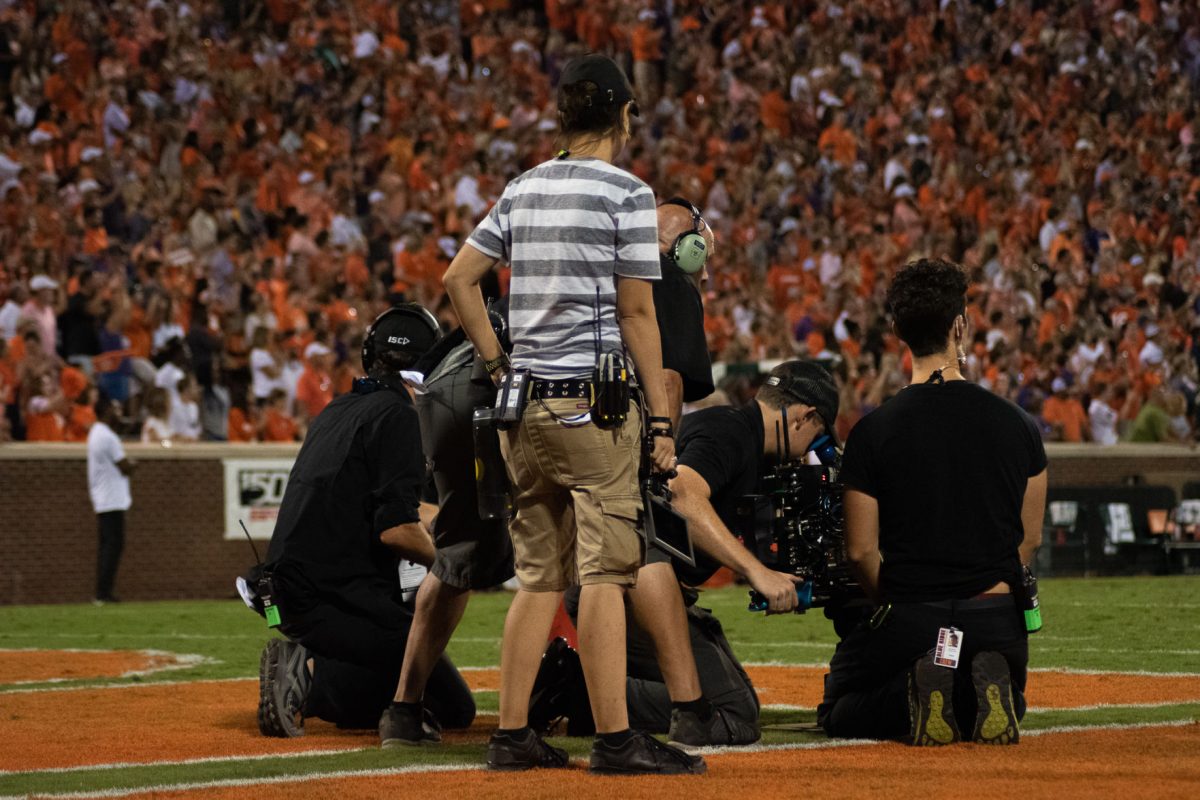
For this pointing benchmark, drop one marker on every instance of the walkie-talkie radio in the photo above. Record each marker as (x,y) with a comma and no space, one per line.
(610,383)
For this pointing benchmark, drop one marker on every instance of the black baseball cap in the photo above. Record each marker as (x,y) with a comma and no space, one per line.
(601,70)
(809,383)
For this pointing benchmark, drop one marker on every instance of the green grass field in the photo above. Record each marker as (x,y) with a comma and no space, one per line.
(1120,625)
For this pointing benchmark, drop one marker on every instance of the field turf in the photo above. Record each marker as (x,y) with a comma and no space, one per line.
(196,734)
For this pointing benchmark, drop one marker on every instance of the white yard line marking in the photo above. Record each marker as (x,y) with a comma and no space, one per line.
(1114,726)
(179,661)
(1141,672)
(140,685)
(1110,706)
(1035,709)
(240,782)
(182,762)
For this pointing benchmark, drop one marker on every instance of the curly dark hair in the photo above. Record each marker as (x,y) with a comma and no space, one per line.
(924,298)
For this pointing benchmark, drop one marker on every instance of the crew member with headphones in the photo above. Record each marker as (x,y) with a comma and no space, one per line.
(351,510)
(686,246)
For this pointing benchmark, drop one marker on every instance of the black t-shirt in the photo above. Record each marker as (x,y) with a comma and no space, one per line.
(359,472)
(681,330)
(724,446)
(948,464)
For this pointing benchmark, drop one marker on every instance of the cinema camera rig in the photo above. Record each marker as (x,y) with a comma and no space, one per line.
(805,536)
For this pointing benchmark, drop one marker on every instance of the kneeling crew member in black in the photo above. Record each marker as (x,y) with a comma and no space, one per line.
(471,553)
(351,509)
(945,491)
(723,454)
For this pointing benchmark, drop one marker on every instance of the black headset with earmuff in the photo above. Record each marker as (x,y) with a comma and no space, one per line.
(370,349)
(689,251)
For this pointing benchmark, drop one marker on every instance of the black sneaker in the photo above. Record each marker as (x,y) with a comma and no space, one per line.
(283,686)
(689,731)
(408,726)
(642,754)
(522,751)
(930,704)
(996,720)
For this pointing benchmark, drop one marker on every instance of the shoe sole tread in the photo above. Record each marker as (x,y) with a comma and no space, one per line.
(993,694)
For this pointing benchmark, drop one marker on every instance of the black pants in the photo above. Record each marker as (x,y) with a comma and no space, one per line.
(357,634)
(723,681)
(111,525)
(866,689)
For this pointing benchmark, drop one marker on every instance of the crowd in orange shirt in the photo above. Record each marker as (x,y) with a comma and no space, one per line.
(214,168)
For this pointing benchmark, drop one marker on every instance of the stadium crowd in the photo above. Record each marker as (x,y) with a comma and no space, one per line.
(203,203)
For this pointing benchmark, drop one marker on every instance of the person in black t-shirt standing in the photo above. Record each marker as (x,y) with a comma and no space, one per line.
(945,491)
(351,510)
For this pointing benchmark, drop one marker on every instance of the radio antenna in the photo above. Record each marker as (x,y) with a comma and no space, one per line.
(787,445)
(251,541)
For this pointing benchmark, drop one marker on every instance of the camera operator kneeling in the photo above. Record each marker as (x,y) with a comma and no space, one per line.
(723,454)
(945,491)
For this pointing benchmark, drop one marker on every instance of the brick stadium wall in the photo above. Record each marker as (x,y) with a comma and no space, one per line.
(174,545)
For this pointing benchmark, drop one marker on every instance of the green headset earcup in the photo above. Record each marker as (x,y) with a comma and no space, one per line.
(690,252)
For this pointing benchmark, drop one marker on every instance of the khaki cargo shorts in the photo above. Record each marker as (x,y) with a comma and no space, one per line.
(576,495)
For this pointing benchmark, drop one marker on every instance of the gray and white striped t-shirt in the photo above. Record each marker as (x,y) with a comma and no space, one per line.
(567,228)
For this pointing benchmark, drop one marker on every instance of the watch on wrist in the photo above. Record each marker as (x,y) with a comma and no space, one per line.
(493,364)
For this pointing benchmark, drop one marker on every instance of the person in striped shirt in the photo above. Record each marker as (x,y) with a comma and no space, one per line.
(581,237)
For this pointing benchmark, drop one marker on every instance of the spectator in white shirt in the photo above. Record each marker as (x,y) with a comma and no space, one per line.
(108,473)
(266,365)
(1103,417)
(10,312)
(157,428)
(184,416)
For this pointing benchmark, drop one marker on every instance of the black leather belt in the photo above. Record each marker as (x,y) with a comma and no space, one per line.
(565,389)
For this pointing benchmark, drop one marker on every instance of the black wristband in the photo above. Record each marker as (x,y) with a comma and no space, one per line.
(654,433)
(660,420)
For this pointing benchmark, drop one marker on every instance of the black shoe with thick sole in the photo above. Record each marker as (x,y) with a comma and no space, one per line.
(930,705)
(283,686)
(516,752)
(996,720)
(689,732)
(642,754)
(402,726)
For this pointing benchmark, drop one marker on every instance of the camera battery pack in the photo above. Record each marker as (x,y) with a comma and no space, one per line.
(511,398)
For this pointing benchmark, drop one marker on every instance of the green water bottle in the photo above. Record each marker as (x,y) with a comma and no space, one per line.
(1033,611)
